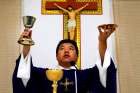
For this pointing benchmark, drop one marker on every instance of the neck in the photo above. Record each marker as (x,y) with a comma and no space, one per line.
(65,65)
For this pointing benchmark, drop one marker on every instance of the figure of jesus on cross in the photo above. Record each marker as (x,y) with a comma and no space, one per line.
(72,19)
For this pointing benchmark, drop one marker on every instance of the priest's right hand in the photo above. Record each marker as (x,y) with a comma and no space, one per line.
(26,33)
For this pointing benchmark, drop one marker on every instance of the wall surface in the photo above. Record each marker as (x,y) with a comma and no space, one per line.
(127,16)
(9,31)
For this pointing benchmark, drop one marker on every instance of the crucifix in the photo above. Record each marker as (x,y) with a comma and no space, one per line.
(94,7)
(66,84)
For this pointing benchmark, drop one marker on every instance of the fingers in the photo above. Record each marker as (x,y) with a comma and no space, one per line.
(26,33)
(30,33)
(108,26)
(108,32)
(103,26)
(105,30)
(100,29)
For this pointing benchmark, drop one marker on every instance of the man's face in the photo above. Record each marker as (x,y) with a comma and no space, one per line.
(66,54)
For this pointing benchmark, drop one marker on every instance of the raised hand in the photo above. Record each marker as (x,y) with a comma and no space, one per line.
(25,38)
(106,30)
(27,33)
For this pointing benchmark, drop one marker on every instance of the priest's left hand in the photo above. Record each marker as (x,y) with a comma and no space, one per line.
(105,30)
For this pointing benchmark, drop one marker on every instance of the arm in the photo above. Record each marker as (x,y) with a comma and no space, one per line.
(26,48)
(103,36)
(24,62)
(81,8)
(104,56)
(61,8)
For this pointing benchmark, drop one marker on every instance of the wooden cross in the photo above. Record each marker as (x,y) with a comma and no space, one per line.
(66,84)
(94,7)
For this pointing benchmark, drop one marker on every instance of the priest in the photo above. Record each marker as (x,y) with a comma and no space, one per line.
(99,79)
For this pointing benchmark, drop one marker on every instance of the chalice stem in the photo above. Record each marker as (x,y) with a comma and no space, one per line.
(54,85)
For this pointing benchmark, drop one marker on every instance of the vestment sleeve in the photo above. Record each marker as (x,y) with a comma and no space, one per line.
(103,68)
(24,68)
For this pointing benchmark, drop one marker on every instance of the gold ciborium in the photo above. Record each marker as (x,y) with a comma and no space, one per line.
(54,75)
(28,22)
(109,27)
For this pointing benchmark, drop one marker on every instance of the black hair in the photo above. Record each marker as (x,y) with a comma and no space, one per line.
(67,41)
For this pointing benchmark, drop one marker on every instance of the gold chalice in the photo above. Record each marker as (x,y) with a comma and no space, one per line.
(28,22)
(54,75)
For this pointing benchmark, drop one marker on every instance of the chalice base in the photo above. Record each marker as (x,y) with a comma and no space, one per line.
(26,41)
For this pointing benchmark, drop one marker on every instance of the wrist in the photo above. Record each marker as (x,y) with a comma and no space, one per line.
(26,50)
